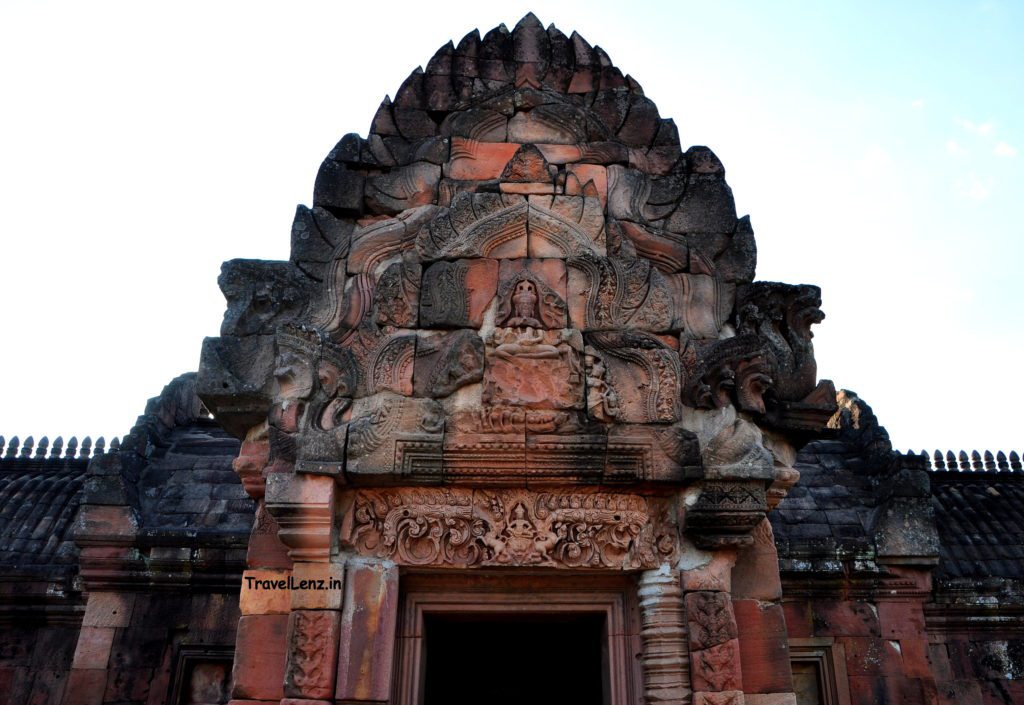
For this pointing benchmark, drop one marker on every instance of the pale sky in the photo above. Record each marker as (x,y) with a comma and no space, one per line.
(878,150)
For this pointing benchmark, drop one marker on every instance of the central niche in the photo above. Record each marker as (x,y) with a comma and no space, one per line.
(499,659)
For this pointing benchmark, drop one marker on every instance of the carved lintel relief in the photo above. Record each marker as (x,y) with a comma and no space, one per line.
(531,292)
(665,660)
(475,528)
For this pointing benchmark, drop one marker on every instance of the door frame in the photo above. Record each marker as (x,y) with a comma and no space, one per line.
(504,593)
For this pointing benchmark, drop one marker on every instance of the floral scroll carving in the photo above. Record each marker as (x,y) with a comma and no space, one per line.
(465,528)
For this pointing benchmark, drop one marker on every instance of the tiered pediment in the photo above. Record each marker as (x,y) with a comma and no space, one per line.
(519,275)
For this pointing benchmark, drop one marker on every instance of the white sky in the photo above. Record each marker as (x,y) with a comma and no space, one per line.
(876,150)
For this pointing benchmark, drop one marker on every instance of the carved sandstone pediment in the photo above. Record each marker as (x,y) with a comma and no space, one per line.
(519,276)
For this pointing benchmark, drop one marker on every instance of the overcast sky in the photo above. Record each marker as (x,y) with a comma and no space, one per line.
(876,148)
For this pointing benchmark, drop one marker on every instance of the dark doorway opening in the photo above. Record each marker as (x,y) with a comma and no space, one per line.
(516,658)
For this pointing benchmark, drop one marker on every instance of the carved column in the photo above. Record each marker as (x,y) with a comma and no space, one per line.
(665,662)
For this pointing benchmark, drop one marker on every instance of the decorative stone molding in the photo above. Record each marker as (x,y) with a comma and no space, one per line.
(303,506)
(726,512)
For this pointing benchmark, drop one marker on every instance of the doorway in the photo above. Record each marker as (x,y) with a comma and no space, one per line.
(502,637)
(542,659)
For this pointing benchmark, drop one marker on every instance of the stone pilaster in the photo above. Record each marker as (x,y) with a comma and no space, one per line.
(665,661)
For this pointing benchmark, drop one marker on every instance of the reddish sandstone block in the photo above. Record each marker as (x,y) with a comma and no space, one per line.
(263,592)
(1001,692)
(312,654)
(108,609)
(957,692)
(716,575)
(770,699)
(756,575)
(368,622)
(215,612)
(916,663)
(938,662)
(526,166)
(798,619)
(728,697)
(894,690)
(85,687)
(901,619)
(528,189)
(318,586)
(456,293)
(868,656)
(128,685)
(764,647)
(47,687)
(584,173)
(560,153)
(866,690)
(265,548)
(709,619)
(260,648)
(718,668)
(93,648)
(550,272)
(959,652)
(538,127)
(844,619)
(472,160)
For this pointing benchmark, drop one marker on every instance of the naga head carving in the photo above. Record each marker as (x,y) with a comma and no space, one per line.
(262,295)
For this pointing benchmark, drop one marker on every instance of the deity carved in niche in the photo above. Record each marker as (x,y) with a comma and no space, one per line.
(531,358)
(525,300)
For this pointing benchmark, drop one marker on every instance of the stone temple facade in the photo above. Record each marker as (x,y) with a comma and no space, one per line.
(516,407)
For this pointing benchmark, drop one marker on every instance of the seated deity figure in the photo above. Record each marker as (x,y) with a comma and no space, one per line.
(524,342)
(524,336)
